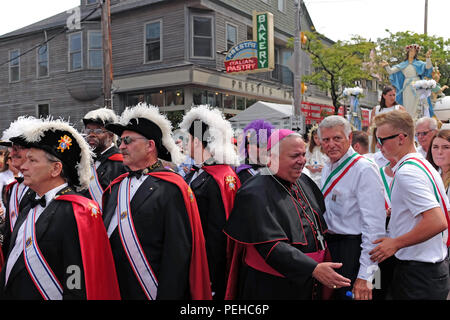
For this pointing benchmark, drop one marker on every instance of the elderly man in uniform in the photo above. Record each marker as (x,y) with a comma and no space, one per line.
(354,201)
(108,160)
(213,182)
(151,215)
(278,219)
(59,247)
(17,194)
(419,215)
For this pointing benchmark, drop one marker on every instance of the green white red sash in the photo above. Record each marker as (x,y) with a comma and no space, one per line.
(338,173)
(387,189)
(437,193)
(131,244)
(38,268)
(95,188)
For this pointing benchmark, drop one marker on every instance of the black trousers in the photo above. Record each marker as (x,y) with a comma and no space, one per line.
(415,280)
(345,249)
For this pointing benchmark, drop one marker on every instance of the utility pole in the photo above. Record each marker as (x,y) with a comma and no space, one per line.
(425,27)
(297,108)
(107,53)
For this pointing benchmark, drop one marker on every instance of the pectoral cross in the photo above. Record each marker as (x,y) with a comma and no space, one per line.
(320,238)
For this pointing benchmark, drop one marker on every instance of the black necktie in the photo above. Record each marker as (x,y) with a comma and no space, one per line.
(137,174)
(19,179)
(35,202)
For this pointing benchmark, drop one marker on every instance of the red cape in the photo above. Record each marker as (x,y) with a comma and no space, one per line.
(200,284)
(98,263)
(229,183)
(116,157)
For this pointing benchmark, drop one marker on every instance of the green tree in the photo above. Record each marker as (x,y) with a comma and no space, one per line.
(392,49)
(336,66)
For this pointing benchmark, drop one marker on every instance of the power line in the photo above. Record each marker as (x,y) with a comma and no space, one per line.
(48,39)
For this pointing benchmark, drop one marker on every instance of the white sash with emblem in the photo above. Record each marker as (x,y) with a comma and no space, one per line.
(40,272)
(14,203)
(131,244)
(95,188)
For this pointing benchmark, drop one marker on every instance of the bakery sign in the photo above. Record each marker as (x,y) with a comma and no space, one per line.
(257,55)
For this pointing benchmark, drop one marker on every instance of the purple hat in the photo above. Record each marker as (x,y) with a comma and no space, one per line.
(256,132)
(277,136)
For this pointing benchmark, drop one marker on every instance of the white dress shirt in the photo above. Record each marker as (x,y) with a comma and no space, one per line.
(412,194)
(356,206)
(18,245)
(134,186)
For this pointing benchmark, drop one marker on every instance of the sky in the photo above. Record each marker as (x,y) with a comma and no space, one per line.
(336,19)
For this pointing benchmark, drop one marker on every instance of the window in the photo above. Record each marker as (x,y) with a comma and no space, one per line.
(153,46)
(43,110)
(75,51)
(282,5)
(202,37)
(14,65)
(95,52)
(231,36)
(91,2)
(174,97)
(42,61)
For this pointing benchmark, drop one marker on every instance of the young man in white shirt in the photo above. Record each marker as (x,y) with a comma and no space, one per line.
(354,201)
(419,217)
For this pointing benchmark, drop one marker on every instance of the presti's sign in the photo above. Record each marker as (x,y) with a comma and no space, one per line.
(256,55)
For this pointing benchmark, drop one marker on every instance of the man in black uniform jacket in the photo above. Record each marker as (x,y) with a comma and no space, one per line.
(16,195)
(108,161)
(59,248)
(151,217)
(213,182)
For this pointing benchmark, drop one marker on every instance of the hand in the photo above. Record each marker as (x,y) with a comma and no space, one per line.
(325,274)
(428,54)
(444,87)
(387,247)
(362,289)
(384,63)
(388,212)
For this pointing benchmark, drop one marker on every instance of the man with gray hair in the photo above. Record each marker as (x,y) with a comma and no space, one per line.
(353,220)
(425,130)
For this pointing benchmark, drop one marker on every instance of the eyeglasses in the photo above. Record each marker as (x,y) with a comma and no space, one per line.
(422,134)
(94,131)
(127,140)
(382,140)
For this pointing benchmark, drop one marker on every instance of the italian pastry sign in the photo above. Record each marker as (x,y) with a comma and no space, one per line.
(256,55)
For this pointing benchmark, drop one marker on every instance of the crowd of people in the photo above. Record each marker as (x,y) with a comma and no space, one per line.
(127,209)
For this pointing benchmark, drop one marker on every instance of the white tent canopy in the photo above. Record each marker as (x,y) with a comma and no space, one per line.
(277,114)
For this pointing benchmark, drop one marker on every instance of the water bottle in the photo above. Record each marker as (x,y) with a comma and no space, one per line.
(350,295)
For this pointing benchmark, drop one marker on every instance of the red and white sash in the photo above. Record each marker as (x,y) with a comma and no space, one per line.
(387,190)
(95,188)
(38,268)
(338,173)
(14,203)
(131,244)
